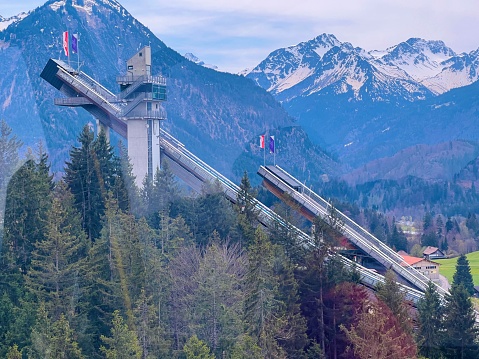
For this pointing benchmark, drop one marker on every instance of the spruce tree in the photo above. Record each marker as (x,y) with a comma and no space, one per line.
(9,161)
(461,332)
(390,294)
(57,266)
(430,332)
(463,274)
(123,343)
(197,349)
(81,176)
(245,208)
(217,303)
(27,203)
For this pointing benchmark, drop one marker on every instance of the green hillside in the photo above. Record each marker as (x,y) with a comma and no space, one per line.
(448,266)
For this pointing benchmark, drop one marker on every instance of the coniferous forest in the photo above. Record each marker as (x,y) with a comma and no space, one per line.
(93,267)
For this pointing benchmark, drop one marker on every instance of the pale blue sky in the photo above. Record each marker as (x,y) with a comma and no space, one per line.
(236,34)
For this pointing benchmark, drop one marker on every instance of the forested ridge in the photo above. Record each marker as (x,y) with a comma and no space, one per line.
(92,267)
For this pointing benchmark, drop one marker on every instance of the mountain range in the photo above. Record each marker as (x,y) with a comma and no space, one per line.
(333,108)
(218,116)
(365,105)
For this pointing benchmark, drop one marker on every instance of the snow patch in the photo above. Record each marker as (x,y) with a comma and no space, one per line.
(57,5)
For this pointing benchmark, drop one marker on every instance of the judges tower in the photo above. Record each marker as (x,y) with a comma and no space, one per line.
(141,96)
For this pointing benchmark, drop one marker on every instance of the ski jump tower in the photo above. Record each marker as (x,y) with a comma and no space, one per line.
(135,113)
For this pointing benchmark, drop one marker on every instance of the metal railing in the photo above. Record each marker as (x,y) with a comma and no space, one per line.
(205,173)
(358,235)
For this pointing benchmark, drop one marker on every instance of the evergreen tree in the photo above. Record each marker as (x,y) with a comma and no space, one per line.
(123,343)
(81,176)
(246,348)
(129,180)
(113,260)
(217,303)
(463,274)
(245,208)
(430,333)
(461,340)
(9,161)
(58,261)
(390,293)
(315,283)
(41,335)
(14,353)
(27,203)
(197,349)
(397,240)
(264,309)
(63,346)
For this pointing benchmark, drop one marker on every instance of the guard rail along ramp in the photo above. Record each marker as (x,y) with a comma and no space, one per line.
(187,165)
(318,206)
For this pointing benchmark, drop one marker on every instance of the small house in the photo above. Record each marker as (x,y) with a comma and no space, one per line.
(431,253)
(429,268)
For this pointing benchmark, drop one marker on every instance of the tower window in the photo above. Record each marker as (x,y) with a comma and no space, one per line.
(140,54)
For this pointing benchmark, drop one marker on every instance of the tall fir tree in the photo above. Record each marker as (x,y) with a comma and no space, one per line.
(430,332)
(463,274)
(27,203)
(81,176)
(461,339)
(123,343)
(264,311)
(390,294)
(9,161)
(245,208)
(58,262)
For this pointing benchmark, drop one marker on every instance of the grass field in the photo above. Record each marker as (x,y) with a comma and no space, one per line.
(448,267)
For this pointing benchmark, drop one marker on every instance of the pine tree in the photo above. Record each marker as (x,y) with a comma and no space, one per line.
(63,346)
(217,303)
(123,343)
(397,240)
(390,293)
(264,310)
(246,348)
(14,353)
(463,274)
(326,232)
(245,208)
(41,335)
(461,339)
(9,161)
(58,261)
(81,176)
(109,274)
(430,333)
(197,349)
(27,203)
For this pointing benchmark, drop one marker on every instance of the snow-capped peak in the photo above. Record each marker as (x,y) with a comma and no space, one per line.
(196,60)
(5,22)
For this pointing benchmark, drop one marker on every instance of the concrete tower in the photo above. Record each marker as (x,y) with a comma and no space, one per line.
(142,95)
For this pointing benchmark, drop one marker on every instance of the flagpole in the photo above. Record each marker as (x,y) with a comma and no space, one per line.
(68,47)
(78,52)
(264,155)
